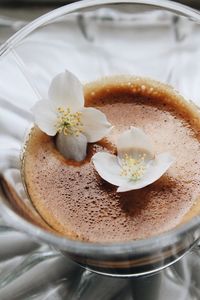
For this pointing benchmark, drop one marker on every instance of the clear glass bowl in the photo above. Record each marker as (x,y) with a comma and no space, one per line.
(94,39)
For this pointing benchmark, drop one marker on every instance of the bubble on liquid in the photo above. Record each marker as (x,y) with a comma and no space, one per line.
(92,210)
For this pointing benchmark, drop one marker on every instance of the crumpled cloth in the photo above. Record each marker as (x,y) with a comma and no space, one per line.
(97,43)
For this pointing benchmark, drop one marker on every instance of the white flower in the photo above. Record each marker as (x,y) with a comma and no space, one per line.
(136,165)
(64,114)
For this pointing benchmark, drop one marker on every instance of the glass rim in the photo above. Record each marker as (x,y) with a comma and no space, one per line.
(69,8)
(61,242)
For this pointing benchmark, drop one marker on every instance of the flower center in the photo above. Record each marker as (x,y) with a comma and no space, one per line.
(69,123)
(133,168)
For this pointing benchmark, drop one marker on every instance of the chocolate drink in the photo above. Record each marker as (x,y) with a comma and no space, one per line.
(76,202)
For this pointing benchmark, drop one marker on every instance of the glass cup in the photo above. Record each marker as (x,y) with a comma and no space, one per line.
(92,39)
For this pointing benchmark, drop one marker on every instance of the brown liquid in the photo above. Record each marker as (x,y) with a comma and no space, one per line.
(76,202)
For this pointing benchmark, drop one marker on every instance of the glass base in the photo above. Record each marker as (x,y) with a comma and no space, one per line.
(33,271)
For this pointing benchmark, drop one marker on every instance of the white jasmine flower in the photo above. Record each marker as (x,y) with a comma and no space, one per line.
(136,164)
(64,114)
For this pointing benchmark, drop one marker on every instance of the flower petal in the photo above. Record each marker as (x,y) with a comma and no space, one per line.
(95,124)
(45,117)
(72,147)
(67,91)
(155,170)
(108,168)
(132,142)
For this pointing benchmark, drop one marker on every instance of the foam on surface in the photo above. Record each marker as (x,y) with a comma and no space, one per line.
(76,202)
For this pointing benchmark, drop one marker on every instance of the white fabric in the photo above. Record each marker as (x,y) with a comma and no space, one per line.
(160,46)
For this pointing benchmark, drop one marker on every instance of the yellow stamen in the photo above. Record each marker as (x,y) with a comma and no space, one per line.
(69,123)
(133,168)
